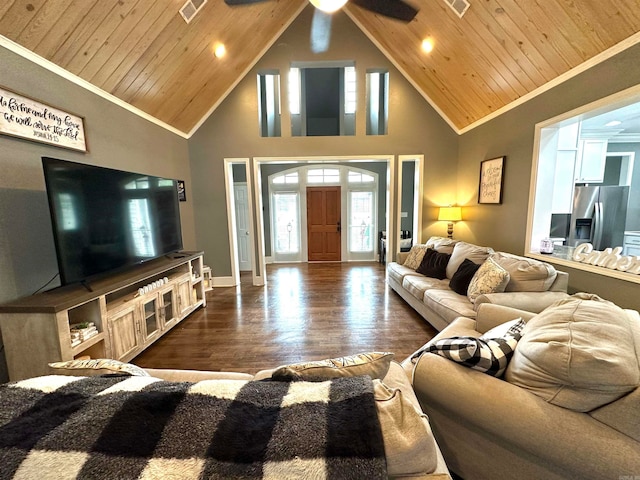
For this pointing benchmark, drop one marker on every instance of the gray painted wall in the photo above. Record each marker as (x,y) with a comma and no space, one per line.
(27,254)
(407,194)
(232,131)
(116,138)
(512,134)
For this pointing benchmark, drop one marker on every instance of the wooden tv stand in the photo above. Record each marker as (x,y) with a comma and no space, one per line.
(36,331)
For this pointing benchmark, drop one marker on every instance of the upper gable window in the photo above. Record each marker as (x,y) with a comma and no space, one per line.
(269,103)
(322,99)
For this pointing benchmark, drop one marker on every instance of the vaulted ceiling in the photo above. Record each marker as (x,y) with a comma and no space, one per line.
(142,51)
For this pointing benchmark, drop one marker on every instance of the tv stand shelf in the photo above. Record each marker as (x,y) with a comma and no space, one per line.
(36,329)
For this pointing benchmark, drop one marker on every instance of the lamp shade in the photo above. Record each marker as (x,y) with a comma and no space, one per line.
(328,6)
(450,214)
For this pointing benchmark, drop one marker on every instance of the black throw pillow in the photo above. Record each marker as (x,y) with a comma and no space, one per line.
(434,264)
(462,278)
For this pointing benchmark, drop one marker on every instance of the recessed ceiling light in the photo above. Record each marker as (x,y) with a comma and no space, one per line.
(220,50)
(427,45)
(613,123)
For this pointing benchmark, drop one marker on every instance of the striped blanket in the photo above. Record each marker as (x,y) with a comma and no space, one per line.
(126,427)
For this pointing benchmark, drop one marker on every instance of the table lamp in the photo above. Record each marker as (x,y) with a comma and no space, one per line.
(450,214)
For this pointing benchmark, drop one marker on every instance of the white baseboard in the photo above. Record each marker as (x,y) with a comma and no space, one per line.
(268,260)
(223,282)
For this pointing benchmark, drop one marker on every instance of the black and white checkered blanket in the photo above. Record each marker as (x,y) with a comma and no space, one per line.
(122,427)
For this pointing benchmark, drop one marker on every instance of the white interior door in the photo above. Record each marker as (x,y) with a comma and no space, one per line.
(242,226)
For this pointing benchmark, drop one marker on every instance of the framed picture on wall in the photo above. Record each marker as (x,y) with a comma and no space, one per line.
(491,180)
(182,193)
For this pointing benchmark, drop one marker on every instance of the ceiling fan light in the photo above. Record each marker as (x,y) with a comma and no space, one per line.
(328,6)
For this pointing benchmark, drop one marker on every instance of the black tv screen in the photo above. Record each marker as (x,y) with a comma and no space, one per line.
(105,219)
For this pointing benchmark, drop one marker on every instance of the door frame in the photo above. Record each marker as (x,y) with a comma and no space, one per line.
(392,197)
(234,279)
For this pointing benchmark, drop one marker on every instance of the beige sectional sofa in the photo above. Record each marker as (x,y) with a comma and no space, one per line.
(410,449)
(568,406)
(532,285)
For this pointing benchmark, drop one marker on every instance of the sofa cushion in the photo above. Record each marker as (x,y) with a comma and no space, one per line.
(490,278)
(441,244)
(526,274)
(398,272)
(448,304)
(374,364)
(434,264)
(488,355)
(462,251)
(578,354)
(415,256)
(416,285)
(462,278)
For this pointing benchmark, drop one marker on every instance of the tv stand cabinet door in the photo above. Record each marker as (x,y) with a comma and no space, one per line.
(125,333)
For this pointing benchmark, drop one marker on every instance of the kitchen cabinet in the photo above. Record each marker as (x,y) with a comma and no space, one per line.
(591,161)
(631,245)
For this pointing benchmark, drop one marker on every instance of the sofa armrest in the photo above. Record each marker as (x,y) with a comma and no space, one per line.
(520,421)
(561,283)
(491,315)
(529,301)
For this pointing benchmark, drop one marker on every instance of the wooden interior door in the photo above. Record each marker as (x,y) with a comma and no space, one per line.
(323,224)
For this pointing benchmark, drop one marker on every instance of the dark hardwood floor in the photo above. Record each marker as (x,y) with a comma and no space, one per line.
(306,312)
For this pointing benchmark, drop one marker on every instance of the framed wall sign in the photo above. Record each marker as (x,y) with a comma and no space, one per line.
(491,180)
(26,118)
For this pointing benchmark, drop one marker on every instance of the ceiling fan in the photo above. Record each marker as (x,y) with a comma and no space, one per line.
(321,25)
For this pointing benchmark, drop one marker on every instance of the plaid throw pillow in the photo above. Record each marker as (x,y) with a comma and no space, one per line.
(488,355)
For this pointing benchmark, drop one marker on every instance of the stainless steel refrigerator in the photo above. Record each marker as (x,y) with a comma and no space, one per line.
(598,216)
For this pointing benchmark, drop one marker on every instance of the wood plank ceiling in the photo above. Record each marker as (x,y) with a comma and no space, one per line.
(143,52)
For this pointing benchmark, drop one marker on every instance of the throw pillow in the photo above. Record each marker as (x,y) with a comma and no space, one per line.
(487,355)
(462,278)
(490,278)
(374,364)
(96,366)
(415,256)
(434,264)
(500,330)
(578,354)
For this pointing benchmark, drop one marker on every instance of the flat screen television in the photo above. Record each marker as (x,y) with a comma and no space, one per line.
(106,220)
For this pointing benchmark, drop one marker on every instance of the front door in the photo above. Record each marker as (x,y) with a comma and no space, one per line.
(323,224)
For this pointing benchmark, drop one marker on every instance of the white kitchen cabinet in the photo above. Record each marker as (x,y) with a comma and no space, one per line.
(591,161)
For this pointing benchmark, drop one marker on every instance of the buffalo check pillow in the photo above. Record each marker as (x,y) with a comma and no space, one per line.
(488,355)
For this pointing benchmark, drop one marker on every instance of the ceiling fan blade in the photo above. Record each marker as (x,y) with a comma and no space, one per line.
(320,31)
(241,2)
(397,9)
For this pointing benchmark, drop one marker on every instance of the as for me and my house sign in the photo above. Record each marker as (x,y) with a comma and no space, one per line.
(32,120)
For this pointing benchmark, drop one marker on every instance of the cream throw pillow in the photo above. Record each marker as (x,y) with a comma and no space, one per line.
(97,366)
(414,259)
(374,364)
(490,278)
